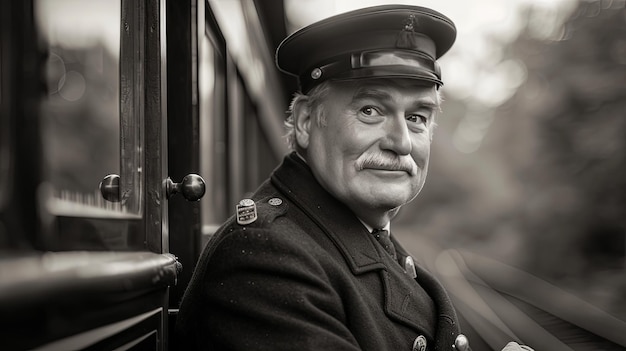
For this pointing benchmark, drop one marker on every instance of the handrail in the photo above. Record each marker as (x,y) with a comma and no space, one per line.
(545,296)
(37,278)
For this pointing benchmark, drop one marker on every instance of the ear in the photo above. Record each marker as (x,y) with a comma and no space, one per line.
(302,122)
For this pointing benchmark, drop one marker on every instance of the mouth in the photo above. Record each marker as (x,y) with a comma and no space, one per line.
(391,169)
(388,167)
(388,171)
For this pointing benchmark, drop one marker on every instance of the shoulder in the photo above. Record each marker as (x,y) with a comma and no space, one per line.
(260,229)
(265,216)
(273,249)
(245,267)
(260,213)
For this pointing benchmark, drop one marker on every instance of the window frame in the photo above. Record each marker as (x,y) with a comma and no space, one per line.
(142,136)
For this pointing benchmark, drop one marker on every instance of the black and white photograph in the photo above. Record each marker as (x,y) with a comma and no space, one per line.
(332,175)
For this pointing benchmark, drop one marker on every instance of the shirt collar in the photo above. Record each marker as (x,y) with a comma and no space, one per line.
(370,228)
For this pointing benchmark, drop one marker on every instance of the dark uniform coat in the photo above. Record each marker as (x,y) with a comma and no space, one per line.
(307,275)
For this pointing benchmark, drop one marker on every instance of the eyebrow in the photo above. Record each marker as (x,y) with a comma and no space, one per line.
(370,93)
(379,94)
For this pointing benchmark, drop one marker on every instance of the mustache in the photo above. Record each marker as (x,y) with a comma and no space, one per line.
(387,162)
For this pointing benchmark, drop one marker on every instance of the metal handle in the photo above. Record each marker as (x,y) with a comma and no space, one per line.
(110,188)
(192,187)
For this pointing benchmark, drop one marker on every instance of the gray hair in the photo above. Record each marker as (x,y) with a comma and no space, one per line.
(313,102)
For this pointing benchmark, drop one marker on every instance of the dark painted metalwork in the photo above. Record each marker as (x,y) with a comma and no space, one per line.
(110,188)
(21,88)
(183,136)
(192,187)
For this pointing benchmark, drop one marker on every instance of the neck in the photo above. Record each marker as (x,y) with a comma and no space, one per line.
(375,219)
(371,229)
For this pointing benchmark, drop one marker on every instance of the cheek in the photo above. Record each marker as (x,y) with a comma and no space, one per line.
(421,150)
(324,149)
(336,140)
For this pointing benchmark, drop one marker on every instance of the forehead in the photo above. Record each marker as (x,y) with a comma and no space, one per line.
(385,89)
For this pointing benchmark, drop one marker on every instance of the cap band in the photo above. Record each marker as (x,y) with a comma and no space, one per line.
(375,63)
(392,58)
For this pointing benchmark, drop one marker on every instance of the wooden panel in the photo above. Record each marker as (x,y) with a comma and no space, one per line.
(21,87)
(183,142)
(50,297)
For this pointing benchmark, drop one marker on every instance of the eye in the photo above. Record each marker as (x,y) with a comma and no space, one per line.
(370,111)
(415,118)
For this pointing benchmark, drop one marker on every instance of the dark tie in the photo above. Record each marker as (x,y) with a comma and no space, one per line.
(384,239)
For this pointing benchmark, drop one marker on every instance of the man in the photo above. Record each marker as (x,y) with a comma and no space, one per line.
(307,263)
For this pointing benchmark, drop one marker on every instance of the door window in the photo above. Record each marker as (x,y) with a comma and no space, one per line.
(80,116)
(213,129)
(5,153)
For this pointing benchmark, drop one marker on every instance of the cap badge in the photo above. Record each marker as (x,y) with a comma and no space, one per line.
(409,23)
(246,212)
(406,38)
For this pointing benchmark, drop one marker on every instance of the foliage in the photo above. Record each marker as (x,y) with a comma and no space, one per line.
(579,175)
(547,188)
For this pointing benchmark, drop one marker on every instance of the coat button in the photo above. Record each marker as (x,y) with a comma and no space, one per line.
(275,201)
(420,343)
(461,343)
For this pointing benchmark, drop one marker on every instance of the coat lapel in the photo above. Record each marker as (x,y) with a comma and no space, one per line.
(447,321)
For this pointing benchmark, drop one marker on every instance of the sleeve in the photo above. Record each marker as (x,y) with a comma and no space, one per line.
(266,291)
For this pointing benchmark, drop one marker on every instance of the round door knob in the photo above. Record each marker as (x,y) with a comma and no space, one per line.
(110,188)
(192,187)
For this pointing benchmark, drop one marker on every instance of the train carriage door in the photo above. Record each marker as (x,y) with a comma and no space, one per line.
(85,186)
(225,117)
(197,129)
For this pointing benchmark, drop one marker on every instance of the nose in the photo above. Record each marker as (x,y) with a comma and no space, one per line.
(397,136)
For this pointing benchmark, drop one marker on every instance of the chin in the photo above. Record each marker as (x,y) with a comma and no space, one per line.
(388,201)
(385,196)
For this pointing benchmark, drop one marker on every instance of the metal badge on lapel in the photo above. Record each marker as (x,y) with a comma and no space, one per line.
(246,212)
(409,267)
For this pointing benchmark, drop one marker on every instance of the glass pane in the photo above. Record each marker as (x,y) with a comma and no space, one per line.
(81,114)
(212,114)
(4,134)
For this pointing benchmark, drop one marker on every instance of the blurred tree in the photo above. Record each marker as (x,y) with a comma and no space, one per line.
(573,213)
(576,92)
(546,189)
